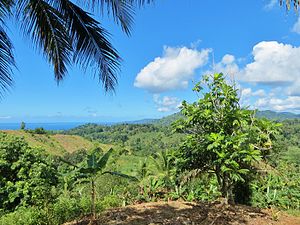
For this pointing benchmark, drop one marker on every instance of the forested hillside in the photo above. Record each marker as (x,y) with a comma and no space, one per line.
(213,154)
(141,139)
(146,139)
(268,114)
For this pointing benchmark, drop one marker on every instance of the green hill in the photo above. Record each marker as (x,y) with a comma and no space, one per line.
(56,144)
(165,121)
(272,115)
(268,114)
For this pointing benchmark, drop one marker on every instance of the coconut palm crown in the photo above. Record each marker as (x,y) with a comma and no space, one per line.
(67,33)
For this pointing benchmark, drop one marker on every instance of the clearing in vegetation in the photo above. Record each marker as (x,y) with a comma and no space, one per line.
(177,213)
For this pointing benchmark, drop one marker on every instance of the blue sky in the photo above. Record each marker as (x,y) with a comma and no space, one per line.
(172,44)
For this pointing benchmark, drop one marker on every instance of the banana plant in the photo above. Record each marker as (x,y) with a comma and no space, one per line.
(93,167)
(163,163)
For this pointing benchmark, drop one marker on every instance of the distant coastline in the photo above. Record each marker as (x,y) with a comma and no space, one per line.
(46,126)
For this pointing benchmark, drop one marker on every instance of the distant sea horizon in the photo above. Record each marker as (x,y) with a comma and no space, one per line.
(48,126)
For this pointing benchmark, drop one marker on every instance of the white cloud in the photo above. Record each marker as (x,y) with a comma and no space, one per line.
(296,27)
(273,63)
(5,117)
(228,59)
(196,44)
(259,93)
(166,103)
(289,103)
(271,4)
(172,71)
(246,92)
(227,66)
(294,89)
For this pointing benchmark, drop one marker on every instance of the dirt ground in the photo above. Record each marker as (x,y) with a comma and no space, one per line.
(177,213)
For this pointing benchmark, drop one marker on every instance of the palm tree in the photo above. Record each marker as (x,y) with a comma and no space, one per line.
(66,33)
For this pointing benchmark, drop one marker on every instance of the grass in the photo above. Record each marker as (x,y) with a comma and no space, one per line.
(128,164)
(56,144)
(293,212)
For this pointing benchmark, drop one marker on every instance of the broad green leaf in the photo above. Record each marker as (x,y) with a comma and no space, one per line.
(92,161)
(102,162)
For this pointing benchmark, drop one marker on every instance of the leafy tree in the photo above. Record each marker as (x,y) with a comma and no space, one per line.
(66,33)
(27,175)
(23,125)
(222,137)
(39,130)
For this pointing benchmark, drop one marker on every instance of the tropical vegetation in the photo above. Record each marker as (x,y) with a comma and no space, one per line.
(215,150)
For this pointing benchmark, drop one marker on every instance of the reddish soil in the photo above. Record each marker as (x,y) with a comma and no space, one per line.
(177,213)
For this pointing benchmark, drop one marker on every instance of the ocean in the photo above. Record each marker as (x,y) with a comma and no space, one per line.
(46,126)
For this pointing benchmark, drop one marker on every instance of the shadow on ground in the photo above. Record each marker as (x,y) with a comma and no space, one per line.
(177,213)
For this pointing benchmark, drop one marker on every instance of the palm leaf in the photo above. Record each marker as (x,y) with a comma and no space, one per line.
(46,27)
(7,61)
(91,44)
(5,7)
(101,3)
(122,10)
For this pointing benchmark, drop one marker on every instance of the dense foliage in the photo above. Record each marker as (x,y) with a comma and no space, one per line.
(219,138)
(140,139)
(27,174)
(222,137)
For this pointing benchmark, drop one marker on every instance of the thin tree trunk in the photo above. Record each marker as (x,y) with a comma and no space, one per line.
(93,209)
(227,190)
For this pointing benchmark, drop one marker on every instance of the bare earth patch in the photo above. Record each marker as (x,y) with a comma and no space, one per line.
(176,213)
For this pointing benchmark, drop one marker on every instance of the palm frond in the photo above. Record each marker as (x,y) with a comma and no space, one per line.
(5,7)
(91,44)
(46,27)
(122,10)
(133,3)
(7,61)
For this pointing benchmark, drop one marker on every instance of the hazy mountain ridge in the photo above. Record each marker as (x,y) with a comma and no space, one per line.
(268,114)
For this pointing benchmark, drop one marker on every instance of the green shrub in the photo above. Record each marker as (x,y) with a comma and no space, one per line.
(23,216)
(27,175)
(66,209)
(111,201)
(279,188)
